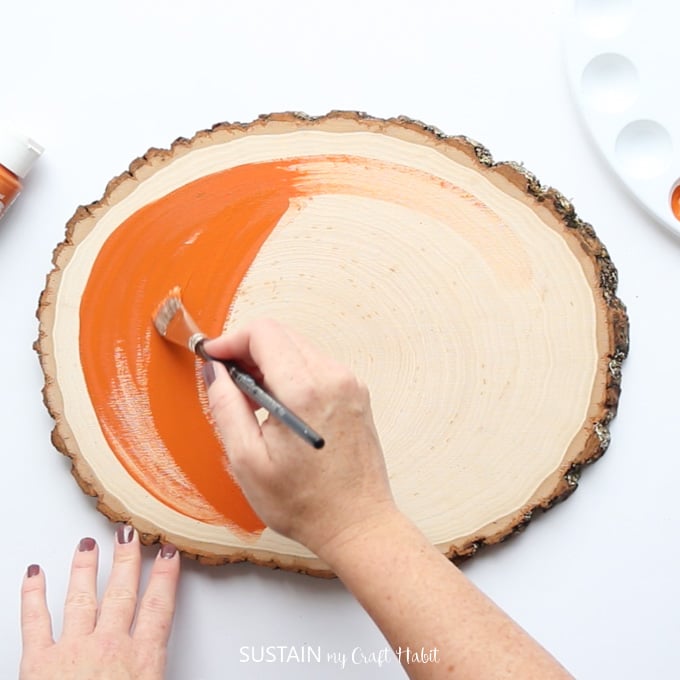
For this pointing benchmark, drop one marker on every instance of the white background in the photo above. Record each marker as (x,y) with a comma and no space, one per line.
(595,579)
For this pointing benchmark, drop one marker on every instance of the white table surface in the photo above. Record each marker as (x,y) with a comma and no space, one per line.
(596,579)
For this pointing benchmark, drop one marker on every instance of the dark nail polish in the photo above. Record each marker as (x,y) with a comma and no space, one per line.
(86,544)
(208,373)
(33,570)
(124,533)
(168,551)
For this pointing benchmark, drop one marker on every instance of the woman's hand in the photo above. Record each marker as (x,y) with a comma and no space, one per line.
(337,502)
(312,496)
(99,642)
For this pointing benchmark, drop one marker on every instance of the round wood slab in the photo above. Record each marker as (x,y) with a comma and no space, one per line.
(480,310)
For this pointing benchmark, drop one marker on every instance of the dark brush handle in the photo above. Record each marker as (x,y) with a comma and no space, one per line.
(247,384)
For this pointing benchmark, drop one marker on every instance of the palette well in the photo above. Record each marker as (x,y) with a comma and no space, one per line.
(623,58)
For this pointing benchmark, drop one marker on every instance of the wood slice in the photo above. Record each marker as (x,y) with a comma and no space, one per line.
(480,310)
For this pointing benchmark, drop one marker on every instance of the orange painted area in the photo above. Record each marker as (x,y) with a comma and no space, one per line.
(203,237)
(675,202)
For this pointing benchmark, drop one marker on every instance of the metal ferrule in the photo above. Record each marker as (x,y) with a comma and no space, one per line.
(195,339)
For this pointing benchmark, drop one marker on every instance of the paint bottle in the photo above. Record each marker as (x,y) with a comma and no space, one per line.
(17,155)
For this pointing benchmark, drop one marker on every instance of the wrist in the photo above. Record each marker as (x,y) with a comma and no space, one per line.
(382,522)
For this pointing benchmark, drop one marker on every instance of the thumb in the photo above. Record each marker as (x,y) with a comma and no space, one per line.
(233,415)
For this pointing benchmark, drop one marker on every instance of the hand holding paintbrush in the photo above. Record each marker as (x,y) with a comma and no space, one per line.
(175,324)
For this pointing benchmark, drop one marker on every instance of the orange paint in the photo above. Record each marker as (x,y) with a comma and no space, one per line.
(675,202)
(201,237)
(17,155)
(10,186)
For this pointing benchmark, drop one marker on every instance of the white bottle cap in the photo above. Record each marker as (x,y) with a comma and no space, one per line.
(18,153)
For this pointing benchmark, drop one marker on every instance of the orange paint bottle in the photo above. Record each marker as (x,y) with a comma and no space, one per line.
(17,155)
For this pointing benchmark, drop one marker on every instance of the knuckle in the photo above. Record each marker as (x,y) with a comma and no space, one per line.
(304,395)
(346,383)
(121,594)
(307,390)
(32,617)
(81,600)
(30,588)
(156,604)
(362,390)
(124,556)
(222,403)
(109,645)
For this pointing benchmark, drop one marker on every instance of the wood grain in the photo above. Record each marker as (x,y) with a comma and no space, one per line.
(481,311)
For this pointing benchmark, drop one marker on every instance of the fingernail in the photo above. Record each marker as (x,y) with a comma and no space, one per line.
(168,551)
(124,533)
(208,373)
(33,570)
(86,544)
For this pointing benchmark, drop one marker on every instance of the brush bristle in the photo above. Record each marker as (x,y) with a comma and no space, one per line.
(166,312)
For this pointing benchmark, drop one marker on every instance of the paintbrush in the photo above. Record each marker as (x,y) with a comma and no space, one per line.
(175,324)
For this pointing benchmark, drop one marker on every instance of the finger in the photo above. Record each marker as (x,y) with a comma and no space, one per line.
(154,620)
(231,410)
(234,346)
(36,626)
(80,610)
(120,598)
(265,344)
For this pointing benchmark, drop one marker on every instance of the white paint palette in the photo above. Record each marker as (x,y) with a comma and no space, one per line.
(623,60)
